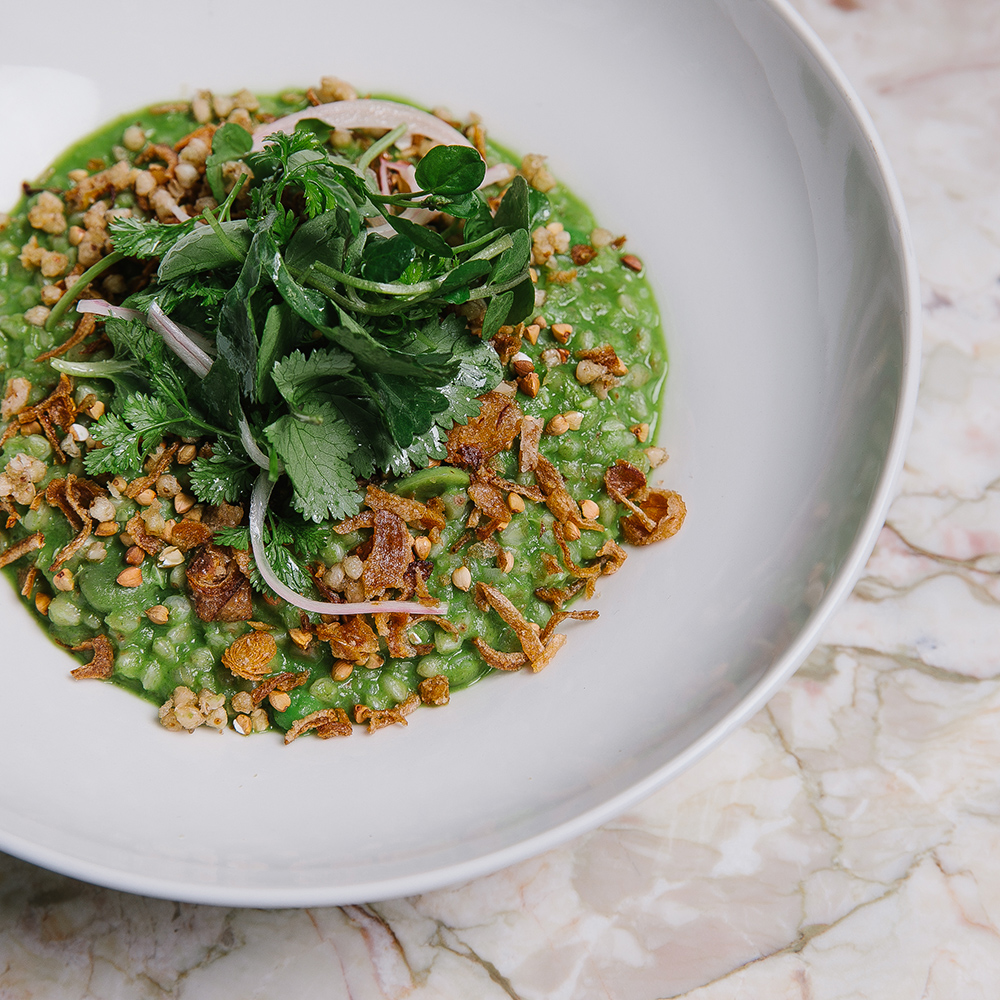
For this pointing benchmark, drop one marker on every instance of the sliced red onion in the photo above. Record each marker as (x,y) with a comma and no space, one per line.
(499,173)
(101,308)
(251,446)
(258,507)
(421,216)
(367,113)
(178,341)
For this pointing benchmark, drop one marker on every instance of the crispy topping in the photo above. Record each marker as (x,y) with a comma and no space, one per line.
(22,548)
(57,410)
(390,555)
(498,660)
(434,690)
(250,655)
(665,508)
(219,589)
(621,481)
(379,718)
(148,543)
(555,643)
(488,499)
(325,723)
(84,328)
(411,511)
(531,434)
(606,357)
(557,497)
(103,662)
(286,681)
(525,630)
(352,639)
(187,535)
(560,616)
(473,444)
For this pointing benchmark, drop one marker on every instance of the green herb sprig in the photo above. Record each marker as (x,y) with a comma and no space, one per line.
(337,344)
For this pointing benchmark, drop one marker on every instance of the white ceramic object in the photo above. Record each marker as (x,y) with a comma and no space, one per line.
(720,137)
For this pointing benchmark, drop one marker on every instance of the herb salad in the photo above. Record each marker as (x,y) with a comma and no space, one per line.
(317,413)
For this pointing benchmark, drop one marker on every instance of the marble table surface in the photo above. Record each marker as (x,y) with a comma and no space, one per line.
(846,842)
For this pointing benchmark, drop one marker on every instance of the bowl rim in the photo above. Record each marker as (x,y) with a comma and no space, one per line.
(780,670)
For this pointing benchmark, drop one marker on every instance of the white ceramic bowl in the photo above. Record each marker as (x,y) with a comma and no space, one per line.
(720,137)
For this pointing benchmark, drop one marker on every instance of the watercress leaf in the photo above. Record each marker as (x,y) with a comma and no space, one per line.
(306,302)
(421,236)
(282,330)
(511,262)
(203,249)
(451,170)
(386,260)
(244,309)
(319,239)
(465,206)
(230,142)
(373,355)
(479,224)
(523,304)
(297,373)
(539,208)
(515,206)
(465,274)
(496,313)
(317,460)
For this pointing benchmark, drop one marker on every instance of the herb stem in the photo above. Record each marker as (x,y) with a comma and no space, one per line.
(382,287)
(488,291)
(77,288)
(223,238)
(377,148)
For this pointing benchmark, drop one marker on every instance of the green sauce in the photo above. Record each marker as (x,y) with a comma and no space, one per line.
(606,304)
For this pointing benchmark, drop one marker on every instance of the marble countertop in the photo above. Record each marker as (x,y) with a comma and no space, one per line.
(843,844)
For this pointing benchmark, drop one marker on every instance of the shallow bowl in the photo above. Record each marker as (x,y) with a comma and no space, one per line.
(719,136)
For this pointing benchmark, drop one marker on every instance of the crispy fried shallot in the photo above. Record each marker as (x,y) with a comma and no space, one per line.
(379,718)
(325,723)
(286,681)
(219,589)
(606,357)
(14,552)
(524,630)
(103,662)
(250,655)
(664,508)
(352,639)
(391,553)
(473,444)
(531,435)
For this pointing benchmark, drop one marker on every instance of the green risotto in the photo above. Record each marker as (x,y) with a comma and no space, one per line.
(317,409)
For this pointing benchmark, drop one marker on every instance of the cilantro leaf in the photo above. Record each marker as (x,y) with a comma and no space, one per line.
(295,373)
(317,460)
